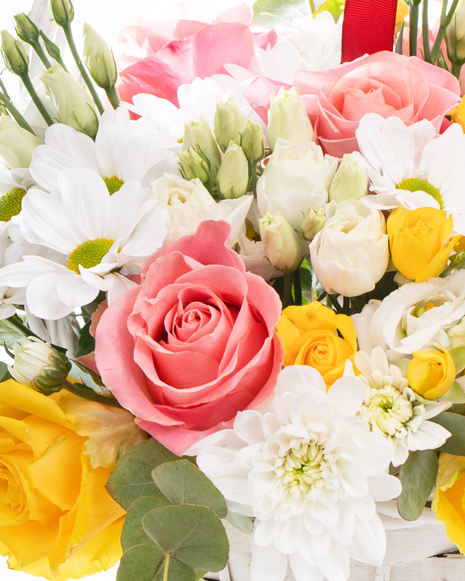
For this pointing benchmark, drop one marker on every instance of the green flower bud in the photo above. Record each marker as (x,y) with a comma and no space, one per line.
(194,165)
(74,106)
(14,54)
(62,12)
(99,59)
(282,245)
(288,119)
(350,181)
(38,365)
(52,48)
(199,134)
(230,122)
(253,142)
(26,29)
(16,144)
(233,175)
(455,35)
(313,222)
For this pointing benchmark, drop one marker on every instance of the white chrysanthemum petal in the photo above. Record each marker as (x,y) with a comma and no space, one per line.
(335,564)
(298,378)
(431,436)
(346,395)
(74,292)
(264,533)
(302,570)
(383,487)
(42,297)
(248,426)
(369,541)
(287,538)
(268,564)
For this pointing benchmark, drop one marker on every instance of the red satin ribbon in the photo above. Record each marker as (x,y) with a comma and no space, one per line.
(368,27)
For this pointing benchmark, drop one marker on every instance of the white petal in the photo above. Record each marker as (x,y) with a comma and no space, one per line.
(384,487)
(268,564)
(369,541)
(302,570)
(42,297)
(74,292)
(346,395)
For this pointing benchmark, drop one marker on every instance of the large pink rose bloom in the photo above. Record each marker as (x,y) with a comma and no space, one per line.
(385,83)
(194,343)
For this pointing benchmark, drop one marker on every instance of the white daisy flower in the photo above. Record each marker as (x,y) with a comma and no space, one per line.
(391,409)
(14,185)
(123,151)
(310,471)
(93,235)
(412,166)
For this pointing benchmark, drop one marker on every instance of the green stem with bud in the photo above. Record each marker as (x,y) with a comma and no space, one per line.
(5,101)
(35,98)
(53,50)
(87,393)
(456,68)
(113,97)
(445,21)
(80,66)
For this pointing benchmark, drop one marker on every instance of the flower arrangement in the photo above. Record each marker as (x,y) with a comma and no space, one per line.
(232,287)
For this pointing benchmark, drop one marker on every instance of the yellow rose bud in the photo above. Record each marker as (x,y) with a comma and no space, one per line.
(56,453)
(417,239)
(431,373)
(314,335)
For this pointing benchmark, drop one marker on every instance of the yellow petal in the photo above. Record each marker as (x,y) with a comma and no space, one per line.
(448,507)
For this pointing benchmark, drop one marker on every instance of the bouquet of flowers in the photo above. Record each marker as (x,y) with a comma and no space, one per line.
(232,287)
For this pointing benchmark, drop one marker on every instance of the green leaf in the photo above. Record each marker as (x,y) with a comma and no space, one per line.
(457,262)
(192,534)
(269,13)
(87,377)
(458,356)
(145,563)
(240,522)
(4,373)
(455,423)
(132,476)
(10,334)
(334,7)
(133,534)
(86,343)
(183,483)
(455,394)
(418,476)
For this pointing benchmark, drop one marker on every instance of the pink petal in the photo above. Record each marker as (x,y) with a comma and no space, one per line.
(242,13)
(259,94)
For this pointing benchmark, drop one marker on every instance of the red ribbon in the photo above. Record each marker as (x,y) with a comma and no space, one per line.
(368,27)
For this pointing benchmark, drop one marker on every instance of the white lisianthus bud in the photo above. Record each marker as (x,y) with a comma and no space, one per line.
(194,165)
(16,143)
(350,181)
(14,54)
(281,243)
(99,58)
(230,123)
(351,253)
(199,134)
(39,365)
(456,334)
(288,119)
(233,175)
(313,222)
(253,142)
(74,106)
(455,35)
(26,30)
(62,12)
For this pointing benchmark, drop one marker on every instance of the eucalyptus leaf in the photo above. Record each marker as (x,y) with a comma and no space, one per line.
(240,522)
(146,563)
(454,394)
(10,334)
(269,13)
(133,534)
(191,534)
(132,476)
(458,357)
(418,476)
(4,373)
(86,343)
(183,483)
(455,423)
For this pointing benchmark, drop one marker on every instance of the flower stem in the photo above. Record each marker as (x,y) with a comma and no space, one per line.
(5,101)
(113,97)
(311,3)
(445,21)
(35,97)
(16,322)
(287,298)
(456,68)
(425,33)
(87,393)
(41,54)
(297,287)
(413,26)
(80,66)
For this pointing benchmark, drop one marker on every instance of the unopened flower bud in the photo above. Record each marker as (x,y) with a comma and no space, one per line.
(455,35)
(16,143)
(282,245)
(74,106)
(99,59)
(230,122)
(52,48)
(199,135)
(194,165)
(14,54)
(26,30)
(350,181)
(62,12)
(39,365)
(253,142)
(288,119)
(233,175)
(313,222)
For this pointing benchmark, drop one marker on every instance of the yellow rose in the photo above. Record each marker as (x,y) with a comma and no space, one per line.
(56,454)
(431,373)
(417,239)
(458,114)
(314,335)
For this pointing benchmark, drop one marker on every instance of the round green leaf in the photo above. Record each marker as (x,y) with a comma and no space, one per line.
(455,423)
(418,476)
(144,563)
(133,534)
(192,534)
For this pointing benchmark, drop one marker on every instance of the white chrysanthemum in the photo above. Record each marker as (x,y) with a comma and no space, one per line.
(412,167)
(14,185)
(92,234)
(123,151)
(391,409)
(310,471)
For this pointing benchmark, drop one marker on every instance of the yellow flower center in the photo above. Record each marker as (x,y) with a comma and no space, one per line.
(89,253)
(414,184)
(113,184)
(10,204)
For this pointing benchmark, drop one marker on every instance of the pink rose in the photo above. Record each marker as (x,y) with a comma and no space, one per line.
(194,343)
(385,83)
